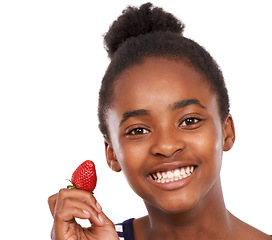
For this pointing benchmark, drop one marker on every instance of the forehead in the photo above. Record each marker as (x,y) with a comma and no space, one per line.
(159,80)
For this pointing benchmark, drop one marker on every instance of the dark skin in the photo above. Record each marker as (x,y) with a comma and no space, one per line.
(165,116)
(69,204)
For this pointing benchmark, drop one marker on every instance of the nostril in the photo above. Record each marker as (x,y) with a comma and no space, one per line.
(168,154)
(167,142)
(178,150)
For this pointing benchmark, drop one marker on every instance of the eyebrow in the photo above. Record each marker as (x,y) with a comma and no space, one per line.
(135,113)
(144,112)
(185,103)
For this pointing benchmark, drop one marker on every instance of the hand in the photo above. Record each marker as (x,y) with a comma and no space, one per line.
(69,204)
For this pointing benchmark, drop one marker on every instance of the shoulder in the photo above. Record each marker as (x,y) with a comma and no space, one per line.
(246,231)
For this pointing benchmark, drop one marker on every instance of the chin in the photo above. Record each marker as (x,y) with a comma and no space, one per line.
(177,204)
(181,207)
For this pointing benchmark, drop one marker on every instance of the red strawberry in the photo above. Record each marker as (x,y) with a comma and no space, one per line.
(84,177)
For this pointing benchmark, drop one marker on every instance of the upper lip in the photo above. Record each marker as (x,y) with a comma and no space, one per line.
(170,166)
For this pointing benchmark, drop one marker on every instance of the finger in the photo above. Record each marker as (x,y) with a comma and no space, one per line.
(81,195)
(52,202)
(68,215)
(92,214)
(104,219)
(65,220)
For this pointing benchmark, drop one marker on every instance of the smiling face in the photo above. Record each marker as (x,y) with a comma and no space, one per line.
(166,134)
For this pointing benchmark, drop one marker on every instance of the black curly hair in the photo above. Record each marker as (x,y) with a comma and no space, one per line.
(149,31)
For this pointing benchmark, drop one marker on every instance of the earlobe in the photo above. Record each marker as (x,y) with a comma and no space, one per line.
(111,158)
(229,133)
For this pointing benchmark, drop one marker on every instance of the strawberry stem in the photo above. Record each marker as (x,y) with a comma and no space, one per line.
(70,186)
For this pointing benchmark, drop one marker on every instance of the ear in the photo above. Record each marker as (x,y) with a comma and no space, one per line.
(111,158)
(229,133)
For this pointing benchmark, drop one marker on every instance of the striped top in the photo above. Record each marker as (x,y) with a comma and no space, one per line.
(125,230)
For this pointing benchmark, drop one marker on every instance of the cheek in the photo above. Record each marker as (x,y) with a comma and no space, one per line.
(207,149)
(210,150)
(132,157)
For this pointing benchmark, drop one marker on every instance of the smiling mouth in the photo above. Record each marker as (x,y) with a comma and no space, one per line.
(173,175)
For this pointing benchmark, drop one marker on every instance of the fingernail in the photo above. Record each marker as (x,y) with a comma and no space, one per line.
(100,218)
(86,212)
(98,206)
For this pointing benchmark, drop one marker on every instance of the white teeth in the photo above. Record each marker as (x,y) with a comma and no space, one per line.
(159,175)
(174,175)
(164,175)
(170,174)
(154,176)
(177,173)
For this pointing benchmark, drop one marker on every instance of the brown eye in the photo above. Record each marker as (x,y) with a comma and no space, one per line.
(138,131)
(188,122)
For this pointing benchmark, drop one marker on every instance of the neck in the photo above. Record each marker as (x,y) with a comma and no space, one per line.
(208,219)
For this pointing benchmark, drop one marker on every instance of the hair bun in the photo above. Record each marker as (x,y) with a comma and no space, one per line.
(139,21)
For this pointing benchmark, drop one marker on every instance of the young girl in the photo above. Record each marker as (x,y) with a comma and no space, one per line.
(164,115)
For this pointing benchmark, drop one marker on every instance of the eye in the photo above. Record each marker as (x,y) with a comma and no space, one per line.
(138,131)
(190,122)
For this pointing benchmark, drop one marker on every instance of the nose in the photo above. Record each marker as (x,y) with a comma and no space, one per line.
(167,143)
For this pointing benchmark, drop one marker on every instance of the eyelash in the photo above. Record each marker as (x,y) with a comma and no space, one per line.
(136,132)
(190,122)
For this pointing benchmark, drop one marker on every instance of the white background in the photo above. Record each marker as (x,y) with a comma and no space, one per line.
(51,62)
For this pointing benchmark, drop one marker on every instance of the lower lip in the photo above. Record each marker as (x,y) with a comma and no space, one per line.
(173,185)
